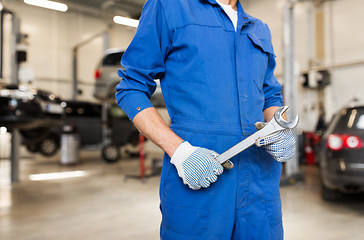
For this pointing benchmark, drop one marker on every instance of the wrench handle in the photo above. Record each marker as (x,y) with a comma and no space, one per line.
(241,146)
(270,128)
(277,123)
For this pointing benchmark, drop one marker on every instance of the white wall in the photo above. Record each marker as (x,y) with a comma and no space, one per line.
(52,35)
(272,13)
(344,42)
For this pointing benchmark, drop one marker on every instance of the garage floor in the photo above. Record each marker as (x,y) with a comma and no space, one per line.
(102,205)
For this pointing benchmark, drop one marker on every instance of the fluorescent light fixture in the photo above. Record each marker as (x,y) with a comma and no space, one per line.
(3,130)
(126,21)
(58,175)
(48,4)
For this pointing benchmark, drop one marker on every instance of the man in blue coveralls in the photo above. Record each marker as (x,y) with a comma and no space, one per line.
(215,64)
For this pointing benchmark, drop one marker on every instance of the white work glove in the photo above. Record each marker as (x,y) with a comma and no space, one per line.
(280,145)
(196,166)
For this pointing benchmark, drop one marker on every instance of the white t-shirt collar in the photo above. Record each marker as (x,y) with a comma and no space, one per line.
(233,14)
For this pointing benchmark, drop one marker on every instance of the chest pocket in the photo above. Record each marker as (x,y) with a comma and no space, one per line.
(260,54)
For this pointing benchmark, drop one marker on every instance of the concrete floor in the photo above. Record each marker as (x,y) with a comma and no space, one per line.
(102,205)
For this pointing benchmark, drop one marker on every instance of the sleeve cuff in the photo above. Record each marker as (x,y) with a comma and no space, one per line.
(276,103)
(184,150)
(133,103)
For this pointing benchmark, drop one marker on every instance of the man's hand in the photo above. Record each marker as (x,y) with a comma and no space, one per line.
(281,145)
(196,166)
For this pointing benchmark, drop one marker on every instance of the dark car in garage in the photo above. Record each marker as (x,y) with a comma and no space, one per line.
(87,120)
(25,107)
(342,154)
(34,112)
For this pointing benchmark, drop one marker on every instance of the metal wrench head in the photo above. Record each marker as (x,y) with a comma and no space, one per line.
(280,120)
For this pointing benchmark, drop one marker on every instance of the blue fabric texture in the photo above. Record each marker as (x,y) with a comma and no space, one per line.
(216,83)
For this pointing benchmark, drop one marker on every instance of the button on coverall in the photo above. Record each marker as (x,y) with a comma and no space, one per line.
(216,83)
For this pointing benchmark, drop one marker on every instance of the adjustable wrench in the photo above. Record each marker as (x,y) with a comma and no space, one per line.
(277,123)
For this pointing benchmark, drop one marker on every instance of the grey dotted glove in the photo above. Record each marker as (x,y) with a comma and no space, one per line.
(281,145)
(196,166)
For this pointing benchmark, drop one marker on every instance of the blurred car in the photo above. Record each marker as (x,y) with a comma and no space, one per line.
(341,155)
(33,112)
(25,107)
(106,77)
(86,119)
(106,74)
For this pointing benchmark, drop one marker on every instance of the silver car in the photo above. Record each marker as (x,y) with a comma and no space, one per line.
(106,74)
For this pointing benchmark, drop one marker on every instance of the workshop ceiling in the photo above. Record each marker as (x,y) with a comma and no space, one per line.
(127,8)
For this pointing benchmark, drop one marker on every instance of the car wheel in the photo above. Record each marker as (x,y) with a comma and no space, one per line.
(33,148)
(111,153)
(49,145)
(329,194)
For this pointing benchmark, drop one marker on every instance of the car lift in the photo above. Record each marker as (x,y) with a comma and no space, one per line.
(16,37)
(105,106)
(291,173)
(108,148)
(142,169)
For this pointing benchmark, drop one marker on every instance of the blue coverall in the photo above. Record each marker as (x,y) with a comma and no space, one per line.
(216,83)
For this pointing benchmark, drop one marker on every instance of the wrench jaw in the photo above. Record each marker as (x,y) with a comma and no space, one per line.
(274,125)
(282,122)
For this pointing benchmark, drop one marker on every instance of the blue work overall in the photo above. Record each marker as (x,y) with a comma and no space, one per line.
(216,83)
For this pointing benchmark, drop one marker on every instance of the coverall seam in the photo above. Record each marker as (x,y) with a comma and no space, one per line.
(247,126)
(236,45)
(208,121)
(265,200)
(222,133)
(170,30)
(255,80)
(164,195)
(166,93)
(268,215)
(201,25)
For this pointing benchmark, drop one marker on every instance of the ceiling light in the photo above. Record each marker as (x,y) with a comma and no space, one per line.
(3,130)
(126,21)
(56,175)
(48,4)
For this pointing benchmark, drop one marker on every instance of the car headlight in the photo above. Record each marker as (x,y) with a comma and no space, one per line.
(13,104)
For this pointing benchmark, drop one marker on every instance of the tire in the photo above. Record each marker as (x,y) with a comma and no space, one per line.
(329,194)
(49,145)
(33,148)
(111,153)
